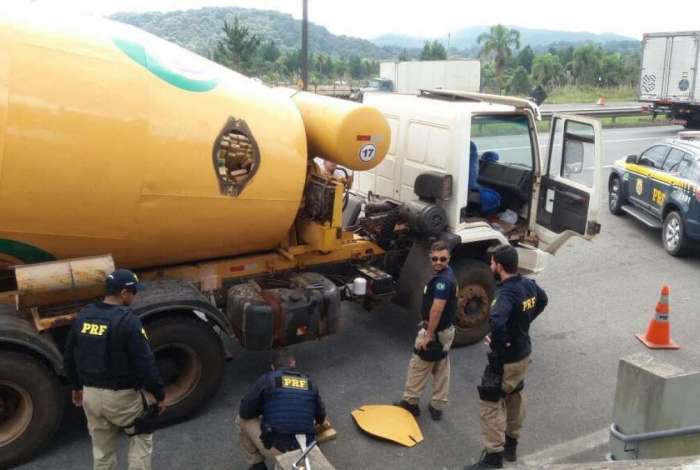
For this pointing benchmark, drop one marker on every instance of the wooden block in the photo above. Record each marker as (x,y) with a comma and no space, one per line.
(326,435)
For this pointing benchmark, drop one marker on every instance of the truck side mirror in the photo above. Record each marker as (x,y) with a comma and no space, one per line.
(631,159)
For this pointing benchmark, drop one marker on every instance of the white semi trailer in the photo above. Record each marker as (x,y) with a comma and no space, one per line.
(669,76)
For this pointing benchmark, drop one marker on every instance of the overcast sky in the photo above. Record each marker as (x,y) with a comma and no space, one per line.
(371,18)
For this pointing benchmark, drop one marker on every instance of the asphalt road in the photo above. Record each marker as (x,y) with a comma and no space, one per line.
(601,294)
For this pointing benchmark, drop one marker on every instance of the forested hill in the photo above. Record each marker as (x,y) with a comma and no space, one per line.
(199,30)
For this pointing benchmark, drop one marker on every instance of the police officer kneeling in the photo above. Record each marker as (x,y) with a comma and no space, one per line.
(282,404)
(108,361)
(502,408)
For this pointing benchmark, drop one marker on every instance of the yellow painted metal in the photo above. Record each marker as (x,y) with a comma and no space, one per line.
(106,142)
(389,422)
(353,135)
(57,282)
(211,274)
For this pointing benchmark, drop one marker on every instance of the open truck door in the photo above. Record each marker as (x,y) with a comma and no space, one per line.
(569,195)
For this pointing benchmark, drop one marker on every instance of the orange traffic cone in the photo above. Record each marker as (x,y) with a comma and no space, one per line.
(658,335)
(601,101)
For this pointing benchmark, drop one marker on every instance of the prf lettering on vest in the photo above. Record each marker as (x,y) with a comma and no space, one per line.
(93,329)
(529,304)
(295,382)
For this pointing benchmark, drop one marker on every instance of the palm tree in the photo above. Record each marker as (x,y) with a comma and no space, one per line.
(499,44)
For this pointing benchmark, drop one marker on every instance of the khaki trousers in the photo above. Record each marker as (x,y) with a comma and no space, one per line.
(107,413)
(505,416)
(252,446)
(420,371)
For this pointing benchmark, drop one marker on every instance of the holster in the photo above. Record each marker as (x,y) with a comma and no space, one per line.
(491,388)
(266,437)
(146,423)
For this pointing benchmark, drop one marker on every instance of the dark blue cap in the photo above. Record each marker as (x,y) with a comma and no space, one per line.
(122,279)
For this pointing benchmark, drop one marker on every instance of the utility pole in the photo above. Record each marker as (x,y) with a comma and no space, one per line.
(305,47)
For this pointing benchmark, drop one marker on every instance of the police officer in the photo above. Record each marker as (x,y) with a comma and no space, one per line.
(108,361)
(432,344)
(282,404)
(517,303)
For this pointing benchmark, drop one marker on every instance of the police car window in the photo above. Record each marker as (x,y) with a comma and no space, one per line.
(503,139)
(692,172)
(673,160)
(654,157)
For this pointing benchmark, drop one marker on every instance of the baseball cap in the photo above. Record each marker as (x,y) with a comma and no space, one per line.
(122,279)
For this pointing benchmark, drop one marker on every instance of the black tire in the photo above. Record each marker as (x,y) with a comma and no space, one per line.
(692,124)
(476,289)
(673,236)
(191,362)
(615,201)
(32,402)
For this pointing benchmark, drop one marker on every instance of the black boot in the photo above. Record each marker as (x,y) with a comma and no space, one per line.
(411,408)
(258,466)
(487,461)
(510,452)
(435,413)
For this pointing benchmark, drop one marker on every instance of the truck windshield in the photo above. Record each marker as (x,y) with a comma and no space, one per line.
(505,139)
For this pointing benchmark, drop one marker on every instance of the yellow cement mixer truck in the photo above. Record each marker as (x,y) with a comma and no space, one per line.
(121,149)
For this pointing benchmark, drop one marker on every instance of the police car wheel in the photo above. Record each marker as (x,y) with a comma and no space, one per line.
(31,406)
(673,235)
(615,196)
(191,363)
(476,288)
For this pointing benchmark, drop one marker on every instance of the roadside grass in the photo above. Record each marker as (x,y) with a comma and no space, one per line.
(623,121)
(571,94)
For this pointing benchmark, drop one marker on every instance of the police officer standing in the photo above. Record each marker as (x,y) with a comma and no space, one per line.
(282,404)
(435,336)
(502,407)
(108,361)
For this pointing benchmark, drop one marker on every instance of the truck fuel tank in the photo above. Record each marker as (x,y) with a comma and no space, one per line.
(283,312)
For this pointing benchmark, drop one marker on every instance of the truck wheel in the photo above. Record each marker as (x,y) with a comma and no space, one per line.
(32,402)
(476,288)
(692,124)
(191,363)
(615,196)
(673,235)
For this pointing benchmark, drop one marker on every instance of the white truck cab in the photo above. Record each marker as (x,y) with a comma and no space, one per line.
(502,188)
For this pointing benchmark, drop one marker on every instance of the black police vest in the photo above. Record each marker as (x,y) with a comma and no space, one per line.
(292,404)
(450,312)
(101,356)
(519,345)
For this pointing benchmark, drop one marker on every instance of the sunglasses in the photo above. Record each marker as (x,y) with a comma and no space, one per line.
(442,259)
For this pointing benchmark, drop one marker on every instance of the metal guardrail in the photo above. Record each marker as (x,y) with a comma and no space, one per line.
(648,436)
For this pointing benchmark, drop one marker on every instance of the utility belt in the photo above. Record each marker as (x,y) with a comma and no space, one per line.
(146,422)
(435,350)
(111,385)
(491,388)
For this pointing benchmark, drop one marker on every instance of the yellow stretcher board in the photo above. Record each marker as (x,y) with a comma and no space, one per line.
(388,422)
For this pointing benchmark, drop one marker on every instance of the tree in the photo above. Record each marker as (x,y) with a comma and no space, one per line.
(238,47)
(519,83)
(547,70)
(356,67)
(403,56)
(291,63)
(525,58)
(612,70)
(269,52)
(498,45)
(586,65)
(433,50)
(488,78)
